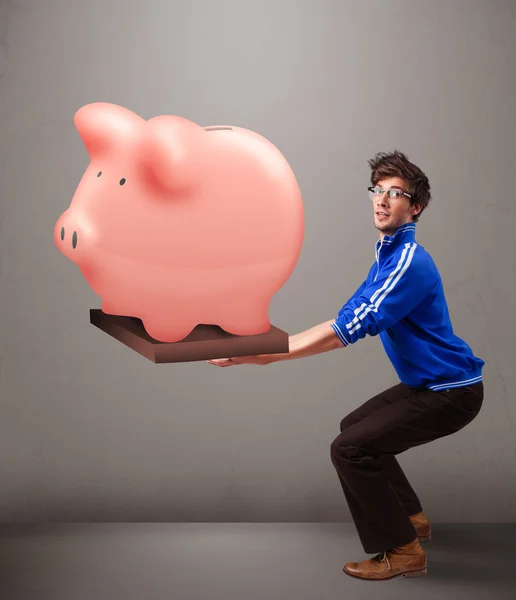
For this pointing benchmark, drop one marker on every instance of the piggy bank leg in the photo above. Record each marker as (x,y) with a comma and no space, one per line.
(117,308)
(248,317)
(173,327)
(166,330)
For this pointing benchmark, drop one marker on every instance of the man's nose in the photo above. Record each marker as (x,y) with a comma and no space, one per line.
(382,200)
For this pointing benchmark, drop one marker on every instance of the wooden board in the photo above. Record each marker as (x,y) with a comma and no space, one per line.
(203,343)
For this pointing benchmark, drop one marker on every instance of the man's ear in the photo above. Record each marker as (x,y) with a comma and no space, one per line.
(416,209)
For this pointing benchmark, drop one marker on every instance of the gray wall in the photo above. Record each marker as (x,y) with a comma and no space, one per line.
(93,431)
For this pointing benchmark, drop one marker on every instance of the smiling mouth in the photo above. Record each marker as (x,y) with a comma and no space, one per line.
(382,214)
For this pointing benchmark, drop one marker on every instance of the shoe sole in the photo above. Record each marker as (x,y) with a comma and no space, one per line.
(419,573)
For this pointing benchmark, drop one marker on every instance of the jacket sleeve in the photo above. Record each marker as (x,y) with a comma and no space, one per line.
(362,286)
(380,304)
(360,289)
(356,294)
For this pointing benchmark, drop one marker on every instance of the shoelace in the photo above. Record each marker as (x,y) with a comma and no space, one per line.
(383,558)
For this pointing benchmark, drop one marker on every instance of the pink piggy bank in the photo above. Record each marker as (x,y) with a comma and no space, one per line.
(180,225)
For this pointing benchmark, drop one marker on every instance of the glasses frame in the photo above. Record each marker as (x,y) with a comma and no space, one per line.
(373,187)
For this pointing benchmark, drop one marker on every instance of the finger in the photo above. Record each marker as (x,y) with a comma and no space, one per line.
(221,362)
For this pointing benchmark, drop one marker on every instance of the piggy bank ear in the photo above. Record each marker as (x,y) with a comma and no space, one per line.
(173,153)
(103,126)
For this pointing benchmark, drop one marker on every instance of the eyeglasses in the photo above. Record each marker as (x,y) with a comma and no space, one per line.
(376,192)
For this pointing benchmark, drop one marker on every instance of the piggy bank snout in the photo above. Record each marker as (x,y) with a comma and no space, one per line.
(69,236)
(73,237)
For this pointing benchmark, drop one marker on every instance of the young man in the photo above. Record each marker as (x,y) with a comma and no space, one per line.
(440,391)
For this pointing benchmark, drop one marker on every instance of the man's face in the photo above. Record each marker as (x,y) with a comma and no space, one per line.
(389,213)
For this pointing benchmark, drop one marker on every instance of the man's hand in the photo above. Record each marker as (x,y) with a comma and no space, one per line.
(258,359)
(320,338)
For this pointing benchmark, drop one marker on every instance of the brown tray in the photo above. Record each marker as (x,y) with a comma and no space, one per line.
(203,343)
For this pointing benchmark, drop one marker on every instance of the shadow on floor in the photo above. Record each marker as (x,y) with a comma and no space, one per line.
(479,552)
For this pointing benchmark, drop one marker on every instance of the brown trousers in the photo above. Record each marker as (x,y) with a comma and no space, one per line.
(379,496)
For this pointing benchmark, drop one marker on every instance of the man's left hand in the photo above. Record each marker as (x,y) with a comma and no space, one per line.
(258,359)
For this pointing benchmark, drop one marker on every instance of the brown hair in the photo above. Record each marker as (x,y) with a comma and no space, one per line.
(396,164)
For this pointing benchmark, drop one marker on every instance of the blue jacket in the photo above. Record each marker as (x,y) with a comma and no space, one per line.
(402,300)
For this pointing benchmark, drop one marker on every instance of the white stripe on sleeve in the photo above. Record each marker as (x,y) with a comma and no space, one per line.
(388,286)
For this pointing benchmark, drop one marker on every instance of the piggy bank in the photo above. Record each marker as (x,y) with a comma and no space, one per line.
(180,225)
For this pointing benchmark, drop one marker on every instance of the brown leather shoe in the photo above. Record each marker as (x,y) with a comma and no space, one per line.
(422,527)
(408,560)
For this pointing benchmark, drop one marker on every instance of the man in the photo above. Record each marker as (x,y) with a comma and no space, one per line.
(440,391)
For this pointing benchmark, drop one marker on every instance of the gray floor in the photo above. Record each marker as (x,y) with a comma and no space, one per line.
(212,561)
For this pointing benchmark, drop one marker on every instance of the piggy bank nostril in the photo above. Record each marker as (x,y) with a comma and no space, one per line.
(74,240)
(62,233)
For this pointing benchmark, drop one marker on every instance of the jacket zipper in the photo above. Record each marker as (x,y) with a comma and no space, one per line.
(378,259)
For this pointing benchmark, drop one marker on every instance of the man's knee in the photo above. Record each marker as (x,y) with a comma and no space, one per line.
(347,448)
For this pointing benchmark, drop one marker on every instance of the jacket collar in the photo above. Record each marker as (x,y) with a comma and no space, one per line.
(402,235)
(405,233)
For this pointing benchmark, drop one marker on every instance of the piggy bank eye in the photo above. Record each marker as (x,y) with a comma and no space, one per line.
(99,173)
(122,181)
